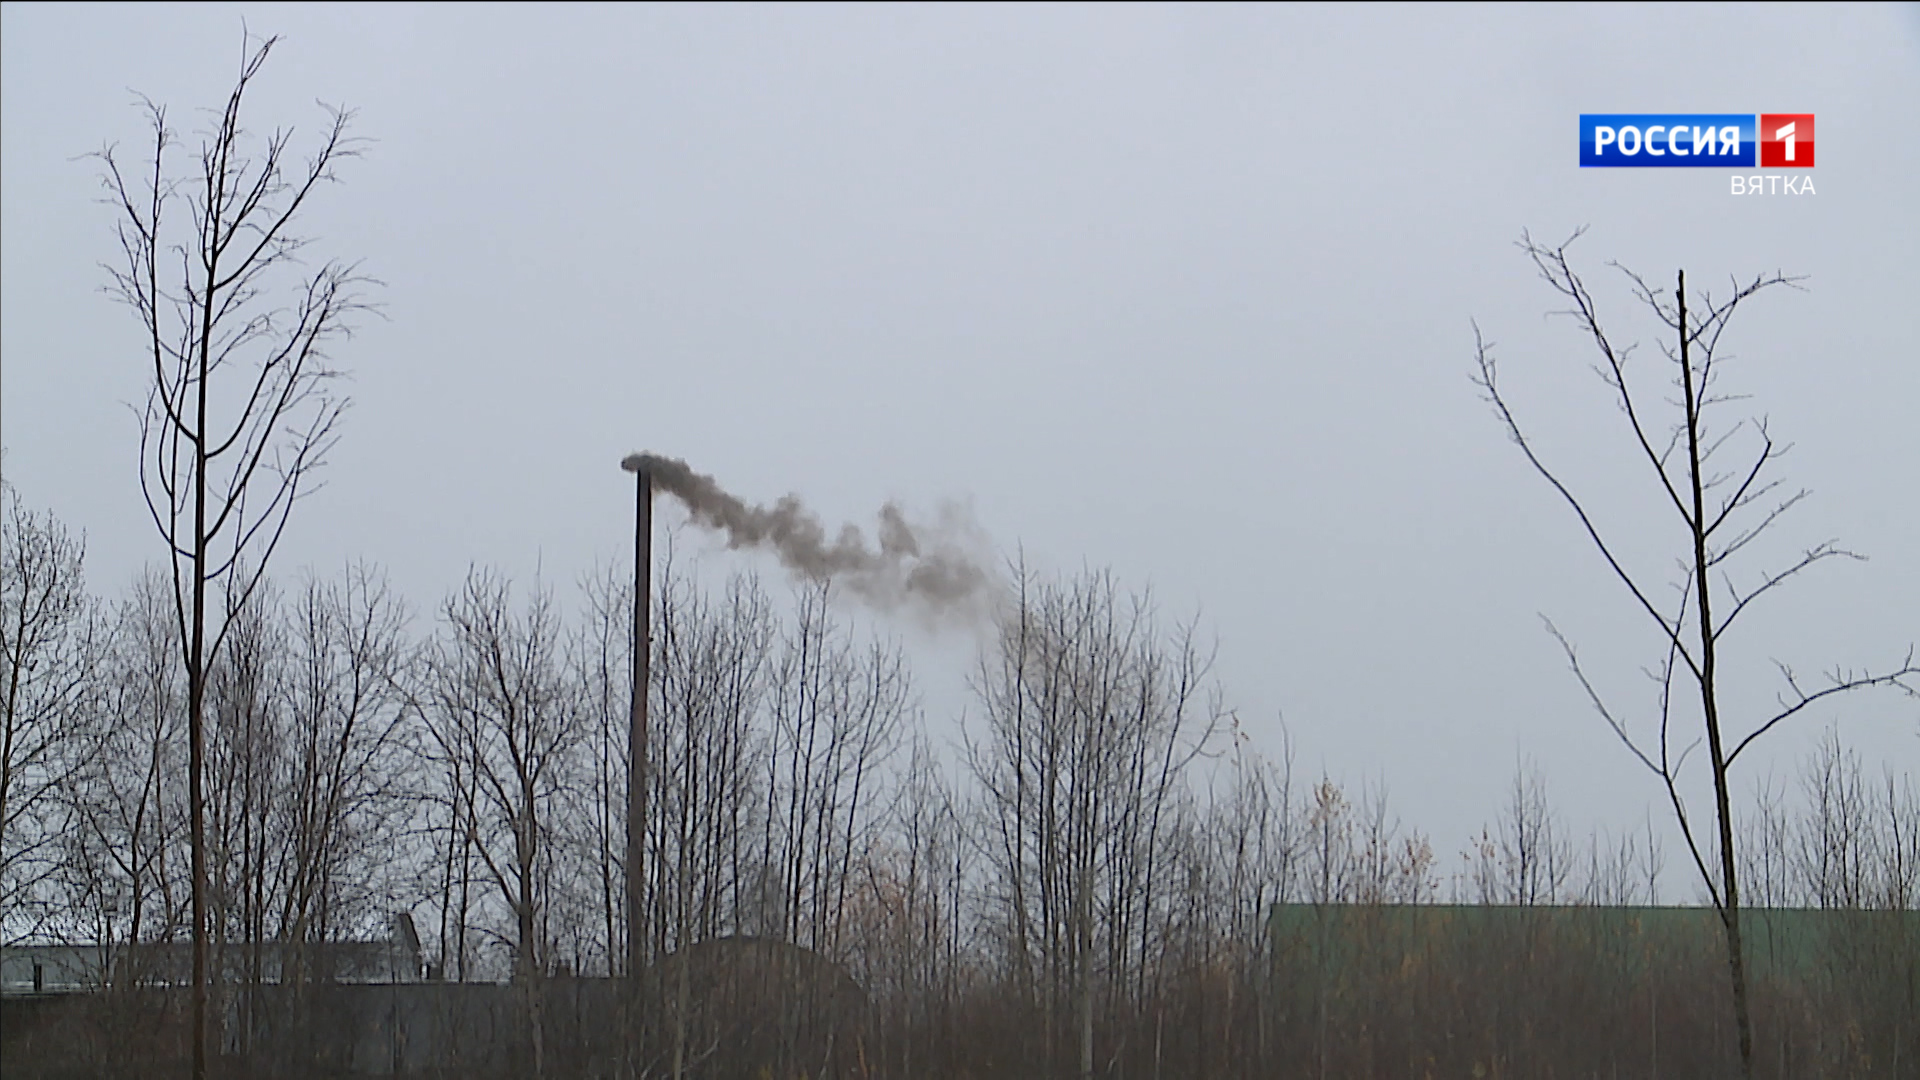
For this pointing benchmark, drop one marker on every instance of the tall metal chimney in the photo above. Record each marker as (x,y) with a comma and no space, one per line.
(637,725)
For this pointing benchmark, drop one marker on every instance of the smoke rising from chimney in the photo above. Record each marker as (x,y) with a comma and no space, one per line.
(933,567)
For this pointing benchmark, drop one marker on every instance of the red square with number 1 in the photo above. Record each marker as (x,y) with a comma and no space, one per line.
(1786,140)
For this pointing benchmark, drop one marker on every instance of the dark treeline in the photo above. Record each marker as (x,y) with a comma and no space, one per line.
(1101,875)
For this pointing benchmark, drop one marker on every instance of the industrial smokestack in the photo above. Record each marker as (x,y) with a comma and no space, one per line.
(934,567)
(637,755)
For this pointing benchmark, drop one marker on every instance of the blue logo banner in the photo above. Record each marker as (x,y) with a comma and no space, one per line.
(1667,140)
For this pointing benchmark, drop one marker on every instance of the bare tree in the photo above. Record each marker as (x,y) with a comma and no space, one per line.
(53,643)
(1092,712)
(1622,872)
(1235,854)
(346,787)
(836,708)
(1329,852)
(1897,844)
(241,409)
(1835,850)
(1715,479)
(123,864)
(599,660)
(245,760)
(1535,857)
(709,746)
(906,912)
(507,725)
(1765,868)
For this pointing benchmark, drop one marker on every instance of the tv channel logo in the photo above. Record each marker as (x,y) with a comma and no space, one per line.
(1786,140)
(1696,140)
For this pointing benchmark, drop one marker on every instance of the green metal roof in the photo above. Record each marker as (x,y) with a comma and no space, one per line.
(1783,942)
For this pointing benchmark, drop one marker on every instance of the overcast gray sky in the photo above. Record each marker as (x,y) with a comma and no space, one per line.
(1180,290)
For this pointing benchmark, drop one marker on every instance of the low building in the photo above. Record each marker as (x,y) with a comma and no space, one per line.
(53,968)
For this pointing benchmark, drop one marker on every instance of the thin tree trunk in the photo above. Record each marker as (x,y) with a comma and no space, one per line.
(196,694)
(1730,906)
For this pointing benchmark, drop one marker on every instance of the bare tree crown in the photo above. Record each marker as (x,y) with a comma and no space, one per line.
(1715,477)
(216,269)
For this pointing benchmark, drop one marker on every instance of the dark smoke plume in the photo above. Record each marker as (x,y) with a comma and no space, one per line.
(933,567)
